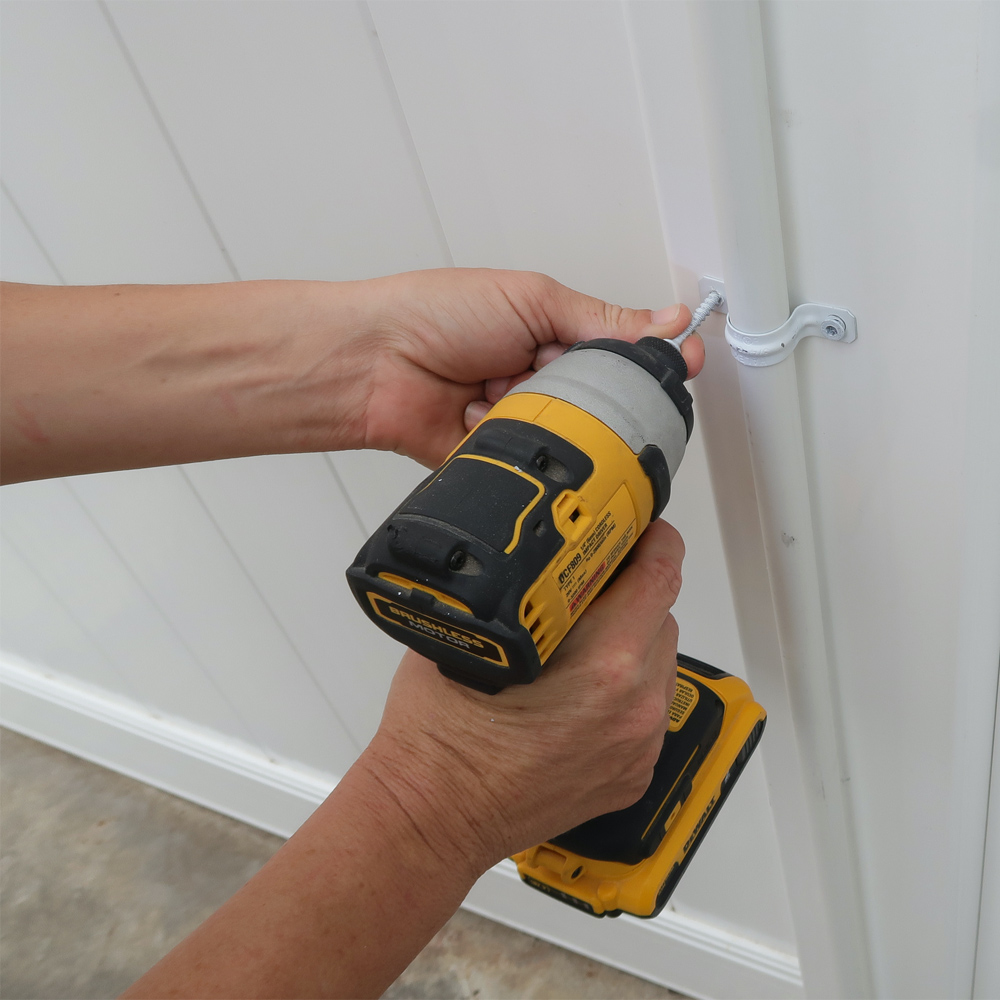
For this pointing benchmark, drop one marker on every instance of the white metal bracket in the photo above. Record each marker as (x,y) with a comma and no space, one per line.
(807,320)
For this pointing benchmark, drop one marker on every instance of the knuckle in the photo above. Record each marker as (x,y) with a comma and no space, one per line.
(612,316)
(648,717)
(664,574)
(672,629)
(622,669)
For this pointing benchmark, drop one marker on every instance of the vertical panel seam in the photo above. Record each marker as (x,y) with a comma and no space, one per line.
(274,616)
(168,139)
(87,632)
(31,232)
(640,95)
(328,458)
(404,130)
(247,731)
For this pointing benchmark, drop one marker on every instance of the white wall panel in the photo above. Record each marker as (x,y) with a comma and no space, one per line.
(21,256)
(38,628)
(157,523)
(84,158)
(294,533)
(376,482)
(151,662)
(289,127)
(880,219)
(526,121)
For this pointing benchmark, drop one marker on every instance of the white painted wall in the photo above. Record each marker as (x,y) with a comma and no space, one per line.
(213,141)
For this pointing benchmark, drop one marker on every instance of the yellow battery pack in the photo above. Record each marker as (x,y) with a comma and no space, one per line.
(629,861)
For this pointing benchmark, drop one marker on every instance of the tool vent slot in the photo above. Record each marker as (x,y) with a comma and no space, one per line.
(544,640)
(538,624)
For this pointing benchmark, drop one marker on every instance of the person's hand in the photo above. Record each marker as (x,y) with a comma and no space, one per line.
(452,342)
(492,775)
(116,377)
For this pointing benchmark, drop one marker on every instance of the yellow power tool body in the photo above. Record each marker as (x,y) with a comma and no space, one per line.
(485,567)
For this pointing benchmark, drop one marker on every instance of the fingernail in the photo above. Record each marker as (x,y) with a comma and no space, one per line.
(547,353)
(663,316)
(475,412)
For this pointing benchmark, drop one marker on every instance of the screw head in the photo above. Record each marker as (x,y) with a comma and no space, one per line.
(457,560)
(542,463)
(834,328)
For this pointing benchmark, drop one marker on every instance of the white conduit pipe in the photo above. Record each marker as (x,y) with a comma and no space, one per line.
(729,48)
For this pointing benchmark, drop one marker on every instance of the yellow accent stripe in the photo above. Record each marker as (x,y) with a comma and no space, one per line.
(517,472)
(400,581)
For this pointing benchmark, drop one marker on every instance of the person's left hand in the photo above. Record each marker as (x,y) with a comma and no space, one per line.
(453,341)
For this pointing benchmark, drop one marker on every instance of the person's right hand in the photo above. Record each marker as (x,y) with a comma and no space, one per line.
(492,775)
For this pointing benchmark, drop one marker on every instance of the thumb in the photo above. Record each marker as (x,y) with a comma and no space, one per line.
(574,316)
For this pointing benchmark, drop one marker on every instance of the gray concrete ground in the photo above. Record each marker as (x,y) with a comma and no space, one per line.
(100,875)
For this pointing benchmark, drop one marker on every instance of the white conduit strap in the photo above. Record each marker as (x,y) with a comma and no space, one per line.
(807,320)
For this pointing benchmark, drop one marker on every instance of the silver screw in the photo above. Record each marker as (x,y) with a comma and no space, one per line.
(712,300)
(834,328)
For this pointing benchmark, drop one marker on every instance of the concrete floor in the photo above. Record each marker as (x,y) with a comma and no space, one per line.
(100,875)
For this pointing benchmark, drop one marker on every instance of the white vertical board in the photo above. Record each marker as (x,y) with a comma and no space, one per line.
(294,534)
(980,626)
(22,258)
(151,662)
(39,629)
(285,119)
(526,121)
(877,208)
(158,524)
(376,482)
(84,158)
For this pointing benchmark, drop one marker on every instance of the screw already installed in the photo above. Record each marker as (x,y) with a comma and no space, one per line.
(698,317)
(834,328)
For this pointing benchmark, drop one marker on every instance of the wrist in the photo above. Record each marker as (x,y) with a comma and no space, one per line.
(441,798)
(318,345)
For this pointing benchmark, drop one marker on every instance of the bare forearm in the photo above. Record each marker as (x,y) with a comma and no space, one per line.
(340,910)
(111,377)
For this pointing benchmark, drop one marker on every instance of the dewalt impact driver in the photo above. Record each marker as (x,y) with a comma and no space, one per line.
(485,567)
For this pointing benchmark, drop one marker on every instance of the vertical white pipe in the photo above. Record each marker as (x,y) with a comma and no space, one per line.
(729,49)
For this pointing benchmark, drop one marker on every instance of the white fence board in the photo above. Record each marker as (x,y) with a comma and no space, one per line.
(376,482)
(878,220)
(151,662)
(294,533)
(84,158)
(21,256)
(283,117)
(38,628)
(527,124)
(157,523)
